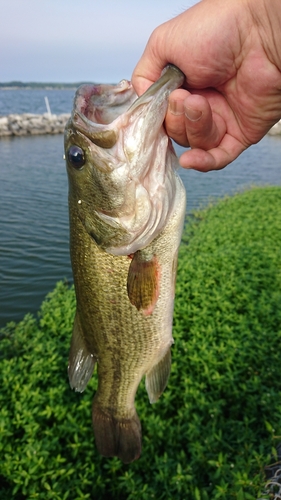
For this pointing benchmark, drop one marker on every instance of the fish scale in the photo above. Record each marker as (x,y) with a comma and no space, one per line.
(124,313)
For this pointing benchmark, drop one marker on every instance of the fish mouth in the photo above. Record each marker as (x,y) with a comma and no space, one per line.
(97,107)
(101,104)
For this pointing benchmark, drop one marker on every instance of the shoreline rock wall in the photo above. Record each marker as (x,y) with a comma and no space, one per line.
(32,124)
(276,129)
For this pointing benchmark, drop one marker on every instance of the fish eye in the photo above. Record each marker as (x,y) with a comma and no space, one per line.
(76,157)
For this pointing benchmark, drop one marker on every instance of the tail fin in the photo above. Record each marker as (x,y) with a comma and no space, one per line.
(117,437)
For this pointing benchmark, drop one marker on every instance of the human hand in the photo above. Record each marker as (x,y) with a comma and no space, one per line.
(232,95)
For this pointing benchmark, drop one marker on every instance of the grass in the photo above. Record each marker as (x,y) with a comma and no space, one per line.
(217,424)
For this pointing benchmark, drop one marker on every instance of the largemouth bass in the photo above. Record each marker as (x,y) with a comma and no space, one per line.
(127,207)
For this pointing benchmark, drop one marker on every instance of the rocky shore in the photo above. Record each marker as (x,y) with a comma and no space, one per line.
(32,124)
(276,129)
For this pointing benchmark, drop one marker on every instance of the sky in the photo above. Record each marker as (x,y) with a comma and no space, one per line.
(78,40)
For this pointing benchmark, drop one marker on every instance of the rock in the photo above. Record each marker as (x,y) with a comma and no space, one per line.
(276,129)
(32,124)
(3,121)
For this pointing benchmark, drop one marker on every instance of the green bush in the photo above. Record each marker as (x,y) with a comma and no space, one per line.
(218,422)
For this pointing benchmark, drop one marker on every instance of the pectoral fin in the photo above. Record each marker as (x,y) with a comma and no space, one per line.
(143,282)
(81,361)
(157,379)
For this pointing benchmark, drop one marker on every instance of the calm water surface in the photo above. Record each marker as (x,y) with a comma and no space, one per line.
(33,222)
(33,101)
(34,252)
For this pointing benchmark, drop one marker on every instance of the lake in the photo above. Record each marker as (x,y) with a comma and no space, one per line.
(33,101)
(34,252)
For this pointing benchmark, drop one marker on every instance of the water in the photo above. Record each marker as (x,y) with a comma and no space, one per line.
(260,165)
(33,222)
(34,252)
(32,101)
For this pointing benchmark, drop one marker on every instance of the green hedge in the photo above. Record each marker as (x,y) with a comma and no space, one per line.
(218,422)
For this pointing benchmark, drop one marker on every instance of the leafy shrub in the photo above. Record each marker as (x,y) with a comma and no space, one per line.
(218,422)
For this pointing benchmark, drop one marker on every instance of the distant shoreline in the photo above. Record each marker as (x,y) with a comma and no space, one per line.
(40,88)
(41,85)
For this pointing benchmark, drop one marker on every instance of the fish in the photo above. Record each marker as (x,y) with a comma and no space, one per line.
(127,207)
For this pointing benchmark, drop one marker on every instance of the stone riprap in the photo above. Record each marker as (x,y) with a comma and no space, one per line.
(32,124)
(276,129)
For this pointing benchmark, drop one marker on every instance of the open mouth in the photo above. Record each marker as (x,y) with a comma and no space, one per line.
(102,104)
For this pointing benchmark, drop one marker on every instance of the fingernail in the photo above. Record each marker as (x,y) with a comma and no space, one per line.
(176,107)
(193,114)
